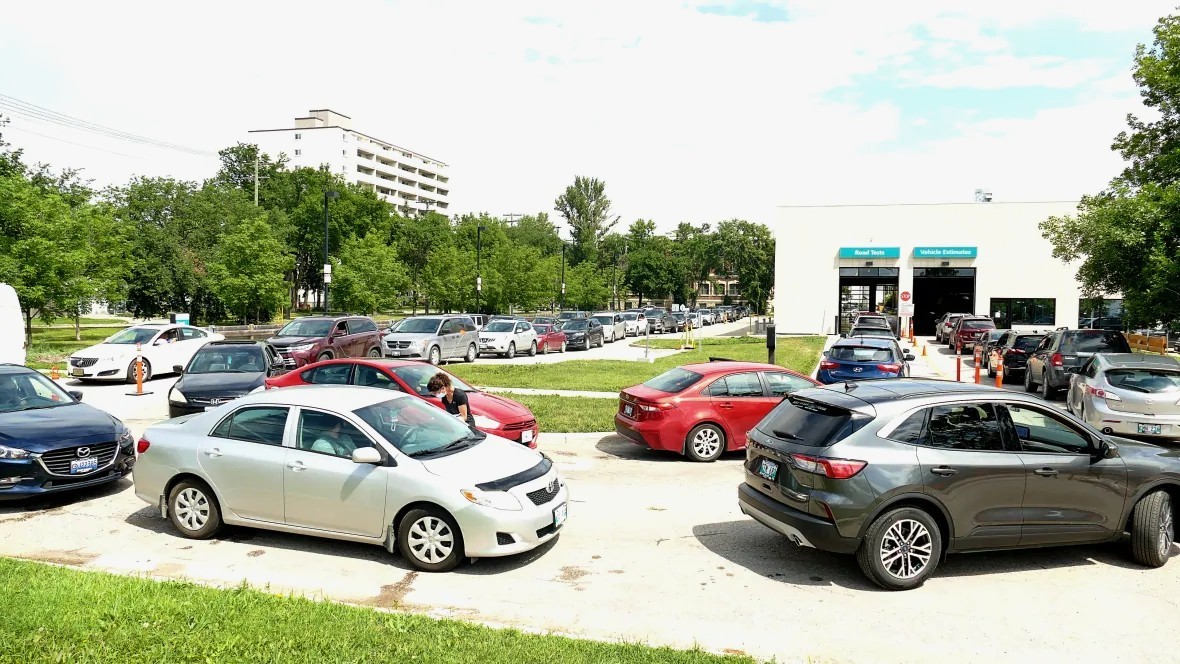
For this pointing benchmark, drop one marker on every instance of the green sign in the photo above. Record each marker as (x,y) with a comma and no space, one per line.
(946,252)
(870,252)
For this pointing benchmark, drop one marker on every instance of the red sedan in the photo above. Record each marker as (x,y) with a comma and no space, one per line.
(703,410)
(493,415)
(549,338)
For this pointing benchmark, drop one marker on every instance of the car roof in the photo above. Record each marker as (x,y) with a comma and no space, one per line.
(15,369)
(1139,360)
(726,366)
(893,389)
(235,342)
(339,397)
(876,342)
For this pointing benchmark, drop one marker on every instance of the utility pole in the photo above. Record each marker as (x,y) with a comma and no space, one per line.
(478,276)
(257,157)
(562,305)
(511,219)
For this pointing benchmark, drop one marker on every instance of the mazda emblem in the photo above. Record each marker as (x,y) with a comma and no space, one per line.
(83,451)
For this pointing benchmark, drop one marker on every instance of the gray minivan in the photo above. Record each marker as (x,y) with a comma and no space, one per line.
(434,338)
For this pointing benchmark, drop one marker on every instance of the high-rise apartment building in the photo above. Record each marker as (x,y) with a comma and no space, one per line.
(401,176)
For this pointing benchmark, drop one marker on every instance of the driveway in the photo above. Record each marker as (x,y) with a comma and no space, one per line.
(656,551)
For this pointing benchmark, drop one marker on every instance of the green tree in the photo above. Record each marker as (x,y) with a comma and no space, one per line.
(586,289)
(240,163)
(415,238)
(248,271)
(746,250)
(369,277)
(586,208)
(445,281)
(536,231)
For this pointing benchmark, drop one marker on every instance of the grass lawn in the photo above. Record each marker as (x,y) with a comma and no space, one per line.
(569,414)
(61,615)
(69,322)
(798,353)
(56,345)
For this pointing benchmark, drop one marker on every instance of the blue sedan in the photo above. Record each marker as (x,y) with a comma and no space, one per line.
(50,442)
(861,358)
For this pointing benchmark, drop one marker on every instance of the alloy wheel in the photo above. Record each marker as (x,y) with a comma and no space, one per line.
(431,540)
(1167,528)
(706,443)
(906,549)
(192,508)
(435,356)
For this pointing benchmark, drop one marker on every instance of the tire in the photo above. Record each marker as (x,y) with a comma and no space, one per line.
(586,343)
(562,350)
(882,559)
(511,350)
(545,349)
(414,535)
(323,357)
(705,443)
(147,372)
(1153,529)
(193,509)
(435,355)
(1047,392)
(472,353)
(991,371)
(533,349)
(376,352)
(1029,386)
(601,342)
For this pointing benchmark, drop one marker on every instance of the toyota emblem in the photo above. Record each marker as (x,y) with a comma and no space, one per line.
(554,485)
(83,451)
(1149,401)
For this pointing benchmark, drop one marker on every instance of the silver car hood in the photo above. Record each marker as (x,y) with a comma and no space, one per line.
(490,460)
(409,336)
(495,335)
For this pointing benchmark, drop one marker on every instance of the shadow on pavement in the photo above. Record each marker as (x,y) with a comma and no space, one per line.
(56,501)
(622,448)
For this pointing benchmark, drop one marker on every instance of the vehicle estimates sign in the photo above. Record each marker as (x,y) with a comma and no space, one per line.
(946,252)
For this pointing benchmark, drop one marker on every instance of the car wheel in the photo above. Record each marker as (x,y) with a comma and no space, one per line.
(435,355)
(901,548)
(323,356)
(545,348)
(562,350)
(1152,529)
(601,341)
(991,371)
(511,350)
(533,349)
(376,352)
(1028,384)
(471,354)
(193,509)
(1047,392)
(705,443)
(429,540)
(147,371)
(586,343)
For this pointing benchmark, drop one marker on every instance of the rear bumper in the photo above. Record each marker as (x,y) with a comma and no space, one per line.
(1101,417)
(647,434)
(802,529)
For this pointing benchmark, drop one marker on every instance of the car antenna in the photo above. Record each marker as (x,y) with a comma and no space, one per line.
(849,385)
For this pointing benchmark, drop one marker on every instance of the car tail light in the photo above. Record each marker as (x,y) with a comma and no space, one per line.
(890,368)
(143,445)
(1102,394)
(1015,351)
(837,469)
(655,406)
(1056,360)
(828,365)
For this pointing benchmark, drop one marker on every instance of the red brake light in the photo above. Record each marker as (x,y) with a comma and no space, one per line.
(837,469)
(652,406)
(1102,394)
(1056,360)
(891,368)
(143,445)
(827,365)
(1015,351)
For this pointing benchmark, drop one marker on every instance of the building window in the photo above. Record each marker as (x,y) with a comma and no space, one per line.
(298,136)
(1007,312)
(704,289)
(298,152)
(733,289)
(1101,313)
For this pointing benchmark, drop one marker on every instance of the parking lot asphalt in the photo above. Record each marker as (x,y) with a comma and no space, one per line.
(656,550)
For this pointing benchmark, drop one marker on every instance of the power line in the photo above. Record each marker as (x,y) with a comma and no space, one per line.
(81,145)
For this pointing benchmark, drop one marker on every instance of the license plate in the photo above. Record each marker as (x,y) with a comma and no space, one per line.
(1153,429)
(628,410)
(395,353)
(78,371)
(87,465)
(559,514)
(768,469)
(526,436)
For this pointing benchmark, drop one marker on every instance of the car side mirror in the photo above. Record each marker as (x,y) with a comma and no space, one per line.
(77,394)
(178,368)
(1107,450)
(843,335)
(368,455)
(909,357)
(337,334)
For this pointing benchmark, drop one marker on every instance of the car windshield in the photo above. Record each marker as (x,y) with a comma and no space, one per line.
(605,320)
(1094,342)
(879,332)
(543,328)
(860,354)
(500,326)
(134,335)
(307,328)
(808,422)
(678,316)
(418,375)
(1028,343)
(30,391)
(566,315)
(417,428)
(1145,380)
(224,359)
(578,324)
(630,316)
(418,326)
(673,380)
(978,324)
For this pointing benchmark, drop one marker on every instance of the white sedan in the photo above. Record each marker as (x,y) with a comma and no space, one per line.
(352,463)
(164,347)
(507,337)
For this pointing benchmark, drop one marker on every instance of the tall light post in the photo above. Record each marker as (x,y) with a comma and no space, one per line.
(329,194)
(478,276)
(561,305)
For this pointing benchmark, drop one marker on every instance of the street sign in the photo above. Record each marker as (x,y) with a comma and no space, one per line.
(905,309)
(905,296)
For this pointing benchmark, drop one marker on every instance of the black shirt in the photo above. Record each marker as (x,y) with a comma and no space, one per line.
(459,398)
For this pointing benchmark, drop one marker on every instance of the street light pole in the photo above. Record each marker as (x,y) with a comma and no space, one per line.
(329,194)
(478,276)
(562,302)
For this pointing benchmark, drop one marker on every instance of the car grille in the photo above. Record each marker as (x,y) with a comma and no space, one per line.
(485,340)
(209,401)
(543,495)
(504,539)
(520,426)
(399,344)
(83,361)
(58,461)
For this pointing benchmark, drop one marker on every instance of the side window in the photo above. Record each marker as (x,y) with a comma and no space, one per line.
(263,424)
(341,328)
(739,385)
(969,426)
(360,326)
(782,384)
(190,333)
(328,434)
(370,377)
(1091,369)
(448,327)
(465,325)
(912,430)
(331,374)
(1041,431)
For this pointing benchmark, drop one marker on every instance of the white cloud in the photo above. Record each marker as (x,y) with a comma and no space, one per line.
(997,72)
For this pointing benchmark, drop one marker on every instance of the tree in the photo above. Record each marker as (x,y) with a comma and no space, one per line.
(536,231)
(585,207)
(585,288)
(368,277)
(237,170)
(247,273)
(746,250)
(415,238)
(1126,239)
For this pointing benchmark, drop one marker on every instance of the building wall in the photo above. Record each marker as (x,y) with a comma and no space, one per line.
(1013,260)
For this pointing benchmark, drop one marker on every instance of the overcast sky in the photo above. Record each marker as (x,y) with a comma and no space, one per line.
(689,110)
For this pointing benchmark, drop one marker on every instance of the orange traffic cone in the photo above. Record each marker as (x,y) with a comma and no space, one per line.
(54,373)
(923,350)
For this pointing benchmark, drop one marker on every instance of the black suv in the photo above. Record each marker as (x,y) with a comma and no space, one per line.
(903,472)
(1063,352)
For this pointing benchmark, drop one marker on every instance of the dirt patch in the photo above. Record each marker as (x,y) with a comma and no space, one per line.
(74,557)
(562,453)
(571,574)
(168,570)
(733,651)
(255,553)
(616,571)
(393,595)
(32,514)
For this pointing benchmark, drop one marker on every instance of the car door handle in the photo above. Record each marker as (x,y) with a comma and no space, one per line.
(297,466)
(945,471)
(1046,472)
(725,405)
(213,451)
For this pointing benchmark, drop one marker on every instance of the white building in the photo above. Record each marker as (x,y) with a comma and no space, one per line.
(401,176)
(984,258)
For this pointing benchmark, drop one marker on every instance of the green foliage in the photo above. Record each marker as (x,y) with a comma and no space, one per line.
(248,272)
(368,277)
(586,208)
(746,250)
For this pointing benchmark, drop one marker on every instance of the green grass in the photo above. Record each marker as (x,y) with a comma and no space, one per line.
(53,614)
(569,414)
(798,353)
(54,346)
(69,322)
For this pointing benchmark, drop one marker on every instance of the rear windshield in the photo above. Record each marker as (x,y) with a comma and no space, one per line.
(978,325)
(860,354)
(871,332)
(500,326)
(1028,343)
(805,421)
(1094,342)
(1144,380)
(605,320)
(673,380)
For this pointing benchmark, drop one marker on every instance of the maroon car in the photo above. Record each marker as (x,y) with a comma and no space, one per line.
(549,338)
(317,338)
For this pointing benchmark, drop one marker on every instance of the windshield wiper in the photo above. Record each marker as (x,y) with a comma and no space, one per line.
(785,435)
(454,444)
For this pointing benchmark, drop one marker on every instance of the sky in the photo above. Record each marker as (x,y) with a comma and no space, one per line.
(688,110)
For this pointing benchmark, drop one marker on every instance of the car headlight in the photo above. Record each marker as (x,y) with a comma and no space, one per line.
(485,422)
(176,396)
(300,348)
(13,454)
(500,500)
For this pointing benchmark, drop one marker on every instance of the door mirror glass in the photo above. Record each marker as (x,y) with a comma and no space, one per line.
(909,357)
(1024,432)
(1107,450)
(368,455)
(178,368)
(76,394)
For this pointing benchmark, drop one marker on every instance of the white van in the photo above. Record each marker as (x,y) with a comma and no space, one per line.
(12,327)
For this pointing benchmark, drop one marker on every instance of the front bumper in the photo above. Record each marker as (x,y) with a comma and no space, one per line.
(296,359)
(516,435)
(498,346)
(484,528)
(1121,423)
(103,370)
(37,481)
(802,529)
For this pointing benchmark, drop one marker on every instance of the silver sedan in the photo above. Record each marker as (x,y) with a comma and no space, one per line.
(352,463)
(1128,394)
